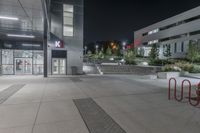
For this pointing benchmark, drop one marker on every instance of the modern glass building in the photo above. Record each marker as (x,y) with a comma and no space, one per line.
(174,32)
(41,37)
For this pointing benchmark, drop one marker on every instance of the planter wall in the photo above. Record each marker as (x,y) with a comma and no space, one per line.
(129,69)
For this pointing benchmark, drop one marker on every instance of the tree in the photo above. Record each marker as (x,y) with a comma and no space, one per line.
(154,53)
(101,54)
(140,52)
(193,51)
(108,51)
(89,53)
(130,56)
(167,52)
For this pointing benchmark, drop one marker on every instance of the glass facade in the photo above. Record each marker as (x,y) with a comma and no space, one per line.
(22,62)
(7,62)
(38,62)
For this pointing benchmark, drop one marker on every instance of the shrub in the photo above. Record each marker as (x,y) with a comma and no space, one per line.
(159,62)
(182,66)
(171,68)
(196,69)
(130,56)
(185,66)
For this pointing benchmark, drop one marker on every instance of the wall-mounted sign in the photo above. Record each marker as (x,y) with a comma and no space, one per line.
(59,44)
(56,42)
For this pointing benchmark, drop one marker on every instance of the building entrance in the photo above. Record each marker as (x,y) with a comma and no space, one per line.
(59,66)
(23,66)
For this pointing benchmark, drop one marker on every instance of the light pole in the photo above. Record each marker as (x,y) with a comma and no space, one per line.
(96,52)
(96,48)
(85,49)
(124,48)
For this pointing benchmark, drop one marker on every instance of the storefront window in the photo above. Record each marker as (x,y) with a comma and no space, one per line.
(38,60)
(7,57)
(7,62)
(7,69)
(21,62)
(23,53)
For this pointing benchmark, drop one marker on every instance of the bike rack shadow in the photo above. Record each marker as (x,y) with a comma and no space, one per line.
(190,98)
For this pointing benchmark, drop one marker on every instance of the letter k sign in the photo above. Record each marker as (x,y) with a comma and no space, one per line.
(57,44)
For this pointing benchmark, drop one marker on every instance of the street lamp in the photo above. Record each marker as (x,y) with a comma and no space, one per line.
(85,49)
(124,45)
(96,48)
(124,48)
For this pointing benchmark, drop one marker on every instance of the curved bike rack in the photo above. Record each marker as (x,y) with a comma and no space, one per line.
(198,97)
(169,87)
(182,91)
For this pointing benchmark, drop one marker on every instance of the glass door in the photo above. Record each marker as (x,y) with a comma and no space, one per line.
(23,66)
(19,66)
(62,66)
(27,66)
(55,66)
(59,66)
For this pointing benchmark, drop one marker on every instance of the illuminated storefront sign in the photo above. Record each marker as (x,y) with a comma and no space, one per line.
(56,42)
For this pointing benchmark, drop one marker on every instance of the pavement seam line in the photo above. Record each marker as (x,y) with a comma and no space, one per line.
(39,107)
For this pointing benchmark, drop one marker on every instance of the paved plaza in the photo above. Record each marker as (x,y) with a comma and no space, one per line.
(96,104)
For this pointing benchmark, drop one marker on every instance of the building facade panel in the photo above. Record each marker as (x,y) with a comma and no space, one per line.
(24,53)
(67,27)
(169,21)
(176,31)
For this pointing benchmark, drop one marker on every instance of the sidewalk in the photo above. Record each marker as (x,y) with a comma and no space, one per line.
(133,104)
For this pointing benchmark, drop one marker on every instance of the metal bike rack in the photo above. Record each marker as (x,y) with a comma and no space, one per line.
(169,87)
(182,91)
(190,98)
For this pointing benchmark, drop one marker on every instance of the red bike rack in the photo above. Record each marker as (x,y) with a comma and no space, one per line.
(169,88)
(182,91)
(197,98)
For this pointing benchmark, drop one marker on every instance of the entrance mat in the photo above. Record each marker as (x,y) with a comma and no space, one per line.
(95,118)
(5,94)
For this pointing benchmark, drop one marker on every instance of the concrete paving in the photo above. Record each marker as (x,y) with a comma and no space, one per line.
(138,105)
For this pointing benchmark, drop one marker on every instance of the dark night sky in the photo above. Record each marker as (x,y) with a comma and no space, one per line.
(118,19)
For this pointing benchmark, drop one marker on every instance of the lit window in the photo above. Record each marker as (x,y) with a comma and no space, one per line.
(153,31)
(68,31)
(68,8)
(153,42)
(68,16)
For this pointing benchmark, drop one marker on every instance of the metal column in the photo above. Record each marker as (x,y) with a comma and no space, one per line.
(45,5)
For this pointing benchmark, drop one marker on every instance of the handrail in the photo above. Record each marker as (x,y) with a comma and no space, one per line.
(198,97)
(169,87)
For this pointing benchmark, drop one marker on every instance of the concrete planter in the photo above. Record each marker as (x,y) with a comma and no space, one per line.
(168,75)
(184,73)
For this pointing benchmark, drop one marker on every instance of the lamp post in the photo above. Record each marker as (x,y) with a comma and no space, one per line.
(124,48)
(85,49)
(96,48)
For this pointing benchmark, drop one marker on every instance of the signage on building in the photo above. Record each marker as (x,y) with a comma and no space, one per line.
(56,42)
(59,44)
